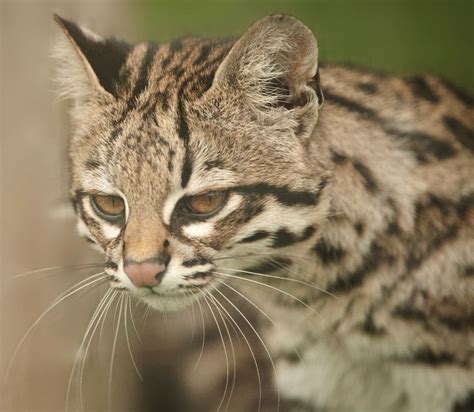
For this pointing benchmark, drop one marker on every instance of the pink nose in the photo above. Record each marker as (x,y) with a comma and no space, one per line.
(145,273)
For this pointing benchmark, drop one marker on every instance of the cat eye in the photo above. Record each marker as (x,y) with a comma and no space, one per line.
(108,207)
(206,204)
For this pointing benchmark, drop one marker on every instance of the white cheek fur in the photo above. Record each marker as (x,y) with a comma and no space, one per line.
(198,230)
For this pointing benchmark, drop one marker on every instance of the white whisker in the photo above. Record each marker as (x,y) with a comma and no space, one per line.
(56,268)
(127,301)
(302,282)
(258,308)
(65,295)
(89,326)
(259,338)
(112,355)
(225,354)
(252,354)
(203,325)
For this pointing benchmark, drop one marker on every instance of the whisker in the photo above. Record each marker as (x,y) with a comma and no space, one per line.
(259,338)
(193,318)
(91,322)
(252,354)
(56,268)
(100,312)
(234,365)
(258,308)
(103,320)
(127,301)
(70,292)
(225,353)
(112,355)
(133,322)
(285,293)
(203,325)
(302,282)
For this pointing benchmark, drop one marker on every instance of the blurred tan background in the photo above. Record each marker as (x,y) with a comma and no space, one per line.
(37,225)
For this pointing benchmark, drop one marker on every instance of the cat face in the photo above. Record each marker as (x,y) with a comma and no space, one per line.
(191,158)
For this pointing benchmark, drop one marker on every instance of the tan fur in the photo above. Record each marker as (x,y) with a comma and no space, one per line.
(369,198)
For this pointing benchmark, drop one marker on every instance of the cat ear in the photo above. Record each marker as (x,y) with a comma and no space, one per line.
(274,65)
(87,63)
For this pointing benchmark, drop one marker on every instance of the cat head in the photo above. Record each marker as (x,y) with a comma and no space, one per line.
(192,157)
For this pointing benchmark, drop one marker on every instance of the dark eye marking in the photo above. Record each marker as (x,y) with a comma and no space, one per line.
(283,194)
(258,235)
(195,262)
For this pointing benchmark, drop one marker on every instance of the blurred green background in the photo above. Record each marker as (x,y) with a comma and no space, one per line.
(400,36)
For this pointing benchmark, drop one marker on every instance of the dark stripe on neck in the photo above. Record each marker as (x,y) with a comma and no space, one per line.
(351,105)
(258,235)
(421,89)
(369,180)
(464,135)
(424,145)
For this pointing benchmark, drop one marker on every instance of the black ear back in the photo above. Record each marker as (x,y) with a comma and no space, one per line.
(105,57)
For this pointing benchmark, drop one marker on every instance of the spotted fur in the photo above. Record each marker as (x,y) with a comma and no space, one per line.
(369,197)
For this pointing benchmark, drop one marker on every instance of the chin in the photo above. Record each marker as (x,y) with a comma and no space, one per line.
(171,301)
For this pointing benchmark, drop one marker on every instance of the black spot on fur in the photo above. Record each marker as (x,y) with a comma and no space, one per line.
(92,164)
(376,257)
(198,275)
(351,105)
(368,87)
(359,227)
(195,262)
(369,180)
(187,170)
(171,155)
(258,235)
(465,204)
(425,145)
(464,135)
(429,357)
(284,237)
(327,252)
(143,75)
(338,158)
(111,265)
(203,54)
(468,270)
(369,326)
(269,266)
(422,89)
(211,164)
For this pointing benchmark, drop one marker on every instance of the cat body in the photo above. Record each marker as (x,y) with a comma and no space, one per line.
(350,191)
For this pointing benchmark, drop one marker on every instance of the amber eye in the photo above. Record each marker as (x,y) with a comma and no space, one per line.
(205,204)
(108,207)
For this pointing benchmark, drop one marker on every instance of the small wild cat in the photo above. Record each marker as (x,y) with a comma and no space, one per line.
(201,161)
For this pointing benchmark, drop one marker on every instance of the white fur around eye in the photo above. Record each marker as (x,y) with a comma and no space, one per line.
(170,204)
(198,230)
(109,231)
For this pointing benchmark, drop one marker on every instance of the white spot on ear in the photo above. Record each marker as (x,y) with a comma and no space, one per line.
(202,229)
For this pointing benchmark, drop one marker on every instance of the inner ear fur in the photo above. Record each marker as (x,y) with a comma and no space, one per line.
(274,64)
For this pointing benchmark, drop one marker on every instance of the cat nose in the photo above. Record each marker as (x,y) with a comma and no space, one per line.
(146,274)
